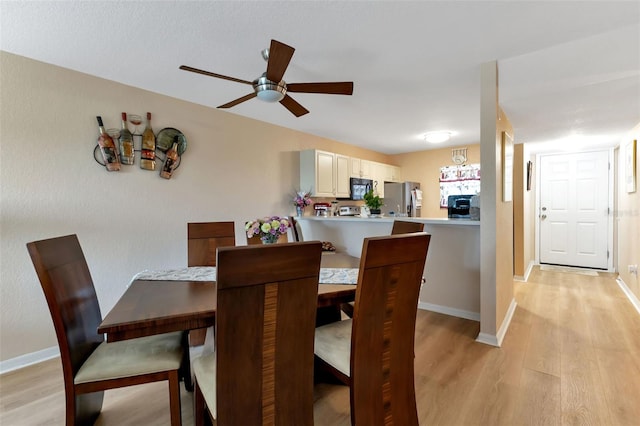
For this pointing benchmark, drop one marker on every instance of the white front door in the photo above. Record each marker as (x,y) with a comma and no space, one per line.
(574,209)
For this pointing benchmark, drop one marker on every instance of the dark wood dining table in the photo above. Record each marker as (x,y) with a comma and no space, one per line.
(151,307)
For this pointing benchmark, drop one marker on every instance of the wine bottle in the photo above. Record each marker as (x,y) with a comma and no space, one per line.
(107,148)
(148,152)
(126,143)
(171,160)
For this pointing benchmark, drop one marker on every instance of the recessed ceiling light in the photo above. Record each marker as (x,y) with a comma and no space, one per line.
(438,137)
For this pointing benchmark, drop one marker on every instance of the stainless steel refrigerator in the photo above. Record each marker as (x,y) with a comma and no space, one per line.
(402,199)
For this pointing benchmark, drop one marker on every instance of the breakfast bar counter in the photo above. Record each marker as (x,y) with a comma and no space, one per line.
(452,270)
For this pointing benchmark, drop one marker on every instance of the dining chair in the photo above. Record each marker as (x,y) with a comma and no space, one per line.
(261,370)
(203,239)
(89,364)
(399,227)
(373,352)
(297,235)
(406,227)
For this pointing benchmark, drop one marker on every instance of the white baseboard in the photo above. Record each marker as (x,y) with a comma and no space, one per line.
(474,316)
(487,339)
(28,359)
(524,278)
(632,297)
(496,340)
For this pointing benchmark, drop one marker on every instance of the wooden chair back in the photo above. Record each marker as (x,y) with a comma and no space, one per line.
(294,229)
(382,340)
(204,238)
(265,323)
(406,227)
(67,285)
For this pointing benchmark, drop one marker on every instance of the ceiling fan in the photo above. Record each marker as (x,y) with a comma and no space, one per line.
(270,87)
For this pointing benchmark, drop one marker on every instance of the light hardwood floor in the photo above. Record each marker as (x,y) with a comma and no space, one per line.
(571,357)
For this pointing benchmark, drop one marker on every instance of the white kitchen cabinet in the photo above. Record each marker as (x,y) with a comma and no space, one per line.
(382,173)
(366,169)
(378,172)
(395,174)
(342,176)
(325,173)
(390,173)
(355,169)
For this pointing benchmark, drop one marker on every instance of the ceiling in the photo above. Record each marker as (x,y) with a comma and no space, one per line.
(566,69)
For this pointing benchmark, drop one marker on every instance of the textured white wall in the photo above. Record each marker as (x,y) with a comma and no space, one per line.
(234,169)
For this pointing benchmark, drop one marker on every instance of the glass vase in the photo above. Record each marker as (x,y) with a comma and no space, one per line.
(269,239)
(299,211)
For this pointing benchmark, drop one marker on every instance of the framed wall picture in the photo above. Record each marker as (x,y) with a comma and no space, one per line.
(630,172)
(507,167)
(529,174)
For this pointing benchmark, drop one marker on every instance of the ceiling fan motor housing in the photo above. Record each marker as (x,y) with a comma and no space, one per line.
(269,91)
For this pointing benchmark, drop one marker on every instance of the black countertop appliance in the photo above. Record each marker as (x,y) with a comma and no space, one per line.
(458,206)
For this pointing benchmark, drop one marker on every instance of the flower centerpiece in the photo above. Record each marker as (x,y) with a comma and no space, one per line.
(269,229)
(301,200)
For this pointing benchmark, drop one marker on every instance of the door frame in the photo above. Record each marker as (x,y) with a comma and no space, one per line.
(610,202)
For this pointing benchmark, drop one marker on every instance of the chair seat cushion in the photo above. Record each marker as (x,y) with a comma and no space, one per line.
(204,369)
(132,357)
(333,345)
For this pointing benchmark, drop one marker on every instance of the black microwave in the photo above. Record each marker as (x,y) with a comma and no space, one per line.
(358,187)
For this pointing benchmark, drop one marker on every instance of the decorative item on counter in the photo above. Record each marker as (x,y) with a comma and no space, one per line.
(328,246)
(107,148)
(127,153)
(373,202)
(269,229)
(301,200)
(171,160)
(335,209)
(148,149)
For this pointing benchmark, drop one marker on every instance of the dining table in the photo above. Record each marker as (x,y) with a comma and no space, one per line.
(162,301)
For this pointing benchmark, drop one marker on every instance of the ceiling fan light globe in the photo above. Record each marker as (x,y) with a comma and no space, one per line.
(270,95)
(268,91)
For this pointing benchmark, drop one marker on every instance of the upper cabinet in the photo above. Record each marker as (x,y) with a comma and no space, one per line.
(343,187)
(325,173)
(381,173)
(355,167)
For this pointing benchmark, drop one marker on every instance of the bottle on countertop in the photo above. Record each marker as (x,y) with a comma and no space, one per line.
(148,152)
(171,160)
(126,143)
(107,148)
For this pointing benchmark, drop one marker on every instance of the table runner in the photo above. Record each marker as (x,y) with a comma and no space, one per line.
(347,276)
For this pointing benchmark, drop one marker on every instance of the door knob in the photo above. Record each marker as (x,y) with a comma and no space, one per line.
(544,209)
(543,217)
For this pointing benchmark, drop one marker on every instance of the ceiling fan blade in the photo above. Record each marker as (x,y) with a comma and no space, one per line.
(212,74)
(279,57)
(335,88)
(238,101)
(293,106)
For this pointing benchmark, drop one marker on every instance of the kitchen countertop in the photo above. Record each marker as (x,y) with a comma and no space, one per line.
(388,219)
(452,269)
